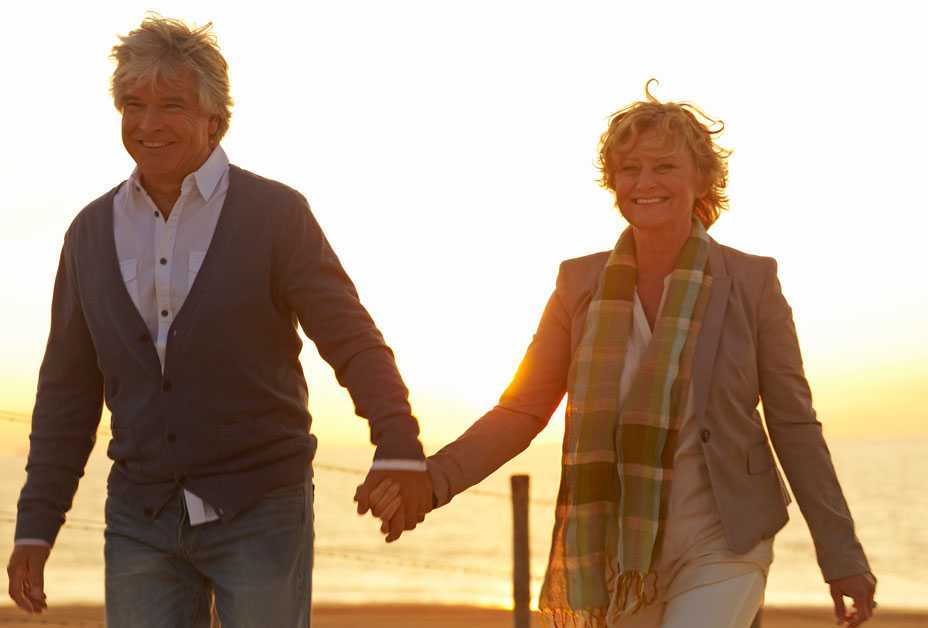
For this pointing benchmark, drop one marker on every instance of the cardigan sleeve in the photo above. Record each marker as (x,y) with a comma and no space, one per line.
(67,411)
(797,437)
(319,291)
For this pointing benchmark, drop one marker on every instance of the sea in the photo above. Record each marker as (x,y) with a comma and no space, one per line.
(462,553)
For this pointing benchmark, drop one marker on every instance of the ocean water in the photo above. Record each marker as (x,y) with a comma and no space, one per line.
(462,553)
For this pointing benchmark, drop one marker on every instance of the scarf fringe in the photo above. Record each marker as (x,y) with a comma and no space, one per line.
(569,618)
(643,588)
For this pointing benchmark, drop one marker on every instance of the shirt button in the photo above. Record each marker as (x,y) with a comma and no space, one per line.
(163,261)
(172,437)
(164,312)
(166,385)
(157,214)
(705,435)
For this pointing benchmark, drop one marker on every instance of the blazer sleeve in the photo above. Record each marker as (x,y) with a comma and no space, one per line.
(797,437)
(67,410)
(523,410)
(316,287)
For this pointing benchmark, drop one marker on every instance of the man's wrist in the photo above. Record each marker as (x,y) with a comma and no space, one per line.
(28,541)
(398,464)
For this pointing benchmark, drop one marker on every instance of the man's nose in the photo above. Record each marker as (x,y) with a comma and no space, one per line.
(150,119)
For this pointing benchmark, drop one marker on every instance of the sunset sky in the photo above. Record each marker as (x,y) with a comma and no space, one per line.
(447,150)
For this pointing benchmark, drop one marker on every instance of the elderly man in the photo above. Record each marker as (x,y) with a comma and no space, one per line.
(176,302)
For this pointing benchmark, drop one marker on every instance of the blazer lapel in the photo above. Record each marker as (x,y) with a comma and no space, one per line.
(708,343)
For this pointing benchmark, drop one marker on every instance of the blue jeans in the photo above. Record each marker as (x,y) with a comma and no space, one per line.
(161,573)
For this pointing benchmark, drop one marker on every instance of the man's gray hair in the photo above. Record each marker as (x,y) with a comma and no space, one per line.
(165,49)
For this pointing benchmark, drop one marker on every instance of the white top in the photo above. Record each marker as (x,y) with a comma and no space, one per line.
(693,534)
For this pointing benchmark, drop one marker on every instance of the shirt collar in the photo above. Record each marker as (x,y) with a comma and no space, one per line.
(206,177)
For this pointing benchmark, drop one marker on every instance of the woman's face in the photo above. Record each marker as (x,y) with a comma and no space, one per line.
(657,186)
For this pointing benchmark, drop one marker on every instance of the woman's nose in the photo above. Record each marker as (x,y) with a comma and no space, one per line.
(646,179)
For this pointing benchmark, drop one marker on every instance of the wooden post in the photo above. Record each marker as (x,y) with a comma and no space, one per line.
(521,583)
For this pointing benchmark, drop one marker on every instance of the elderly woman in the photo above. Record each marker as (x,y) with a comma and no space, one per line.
(669,497)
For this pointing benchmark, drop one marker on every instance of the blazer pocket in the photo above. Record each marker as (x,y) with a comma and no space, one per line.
(193,266)
(129,268)
(760,458)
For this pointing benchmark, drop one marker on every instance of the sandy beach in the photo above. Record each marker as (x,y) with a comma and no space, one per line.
(422,616)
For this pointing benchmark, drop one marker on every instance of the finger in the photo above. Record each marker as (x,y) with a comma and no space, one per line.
(410,500)
(862,606)
(36,585)
(397,525)
(382,489)
(391,508)
(857,619)
(17,588)
(840,611)
(386,498)
(362,496)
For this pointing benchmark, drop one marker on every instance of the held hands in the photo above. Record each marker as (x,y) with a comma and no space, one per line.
(861,589)
(26,571)
(400,499)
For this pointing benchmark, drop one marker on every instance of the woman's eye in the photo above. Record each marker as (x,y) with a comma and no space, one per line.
(665,167)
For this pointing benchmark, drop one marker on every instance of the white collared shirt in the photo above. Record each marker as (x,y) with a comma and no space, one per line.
(159,258)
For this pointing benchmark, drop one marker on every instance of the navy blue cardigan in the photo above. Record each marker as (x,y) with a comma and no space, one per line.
(228,417)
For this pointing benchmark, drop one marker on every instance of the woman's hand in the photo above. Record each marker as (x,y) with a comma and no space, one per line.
(861,589)
(385,501)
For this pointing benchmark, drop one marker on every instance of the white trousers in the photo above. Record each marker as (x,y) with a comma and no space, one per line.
(728,604)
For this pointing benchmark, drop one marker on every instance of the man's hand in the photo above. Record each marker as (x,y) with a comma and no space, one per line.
(26,571)
(400,498)
(861,589)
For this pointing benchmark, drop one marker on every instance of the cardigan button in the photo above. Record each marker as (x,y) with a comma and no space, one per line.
(705,435)
(172,437)
(166,385)
(149,512)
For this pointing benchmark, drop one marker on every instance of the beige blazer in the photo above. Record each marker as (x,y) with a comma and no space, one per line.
(747,352)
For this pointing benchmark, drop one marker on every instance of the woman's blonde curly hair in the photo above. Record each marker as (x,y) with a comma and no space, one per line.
(680,124)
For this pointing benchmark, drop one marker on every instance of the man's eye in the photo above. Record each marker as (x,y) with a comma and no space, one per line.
(629,168)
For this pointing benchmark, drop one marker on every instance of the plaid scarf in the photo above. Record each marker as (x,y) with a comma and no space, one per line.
(618,459)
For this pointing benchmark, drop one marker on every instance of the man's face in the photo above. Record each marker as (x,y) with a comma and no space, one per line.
(165,129)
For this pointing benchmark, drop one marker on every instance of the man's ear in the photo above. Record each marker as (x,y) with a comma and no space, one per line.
(213,126)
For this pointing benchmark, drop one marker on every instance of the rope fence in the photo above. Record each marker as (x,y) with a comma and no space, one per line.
(24,419)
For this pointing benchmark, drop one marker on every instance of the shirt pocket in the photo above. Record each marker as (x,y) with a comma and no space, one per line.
(129,268)
(195,261)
